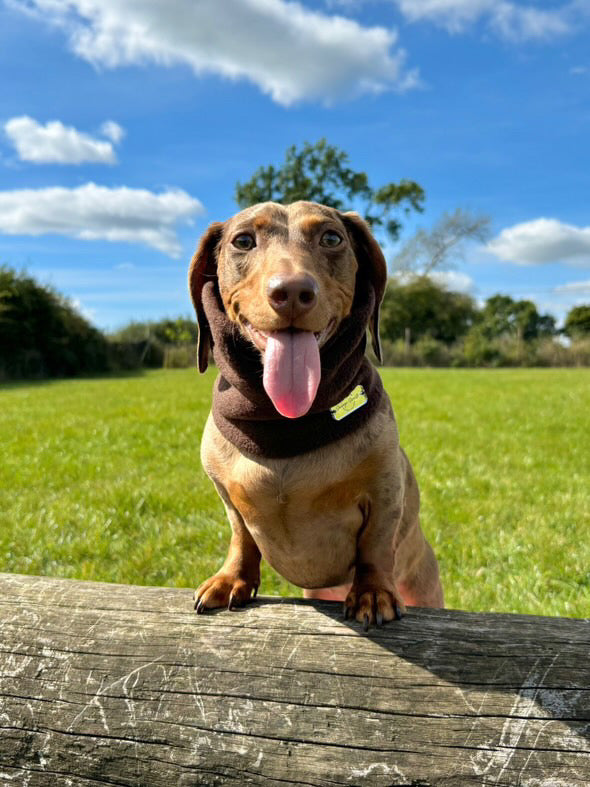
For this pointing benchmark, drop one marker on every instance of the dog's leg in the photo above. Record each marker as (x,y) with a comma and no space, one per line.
(416,569)
(373,597)
(395,565)
(239,576)
(418,581)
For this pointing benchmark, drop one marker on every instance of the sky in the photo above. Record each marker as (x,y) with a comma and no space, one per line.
(125,126)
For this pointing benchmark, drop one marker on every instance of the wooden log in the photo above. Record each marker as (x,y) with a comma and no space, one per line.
(121,685)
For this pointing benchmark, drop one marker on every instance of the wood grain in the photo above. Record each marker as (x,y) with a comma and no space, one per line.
(121,685)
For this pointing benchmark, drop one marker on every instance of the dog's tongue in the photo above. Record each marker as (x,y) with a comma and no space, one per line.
(291,371)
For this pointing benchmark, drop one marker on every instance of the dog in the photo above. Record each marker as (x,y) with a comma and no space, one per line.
(302,443)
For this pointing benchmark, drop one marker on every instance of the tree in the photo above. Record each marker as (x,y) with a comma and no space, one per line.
(421,307)
(440,247)
(577,321)
(320,173)
(503,316)
(42,334)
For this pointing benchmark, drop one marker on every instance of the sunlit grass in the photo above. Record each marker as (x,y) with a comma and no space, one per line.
(503,461)
(101,479)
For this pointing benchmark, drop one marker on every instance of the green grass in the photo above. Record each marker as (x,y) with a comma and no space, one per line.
(101,479)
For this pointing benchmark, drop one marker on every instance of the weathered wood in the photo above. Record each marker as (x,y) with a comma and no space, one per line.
(109,684)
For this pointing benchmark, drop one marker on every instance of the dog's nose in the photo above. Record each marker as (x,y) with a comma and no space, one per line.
(292,294)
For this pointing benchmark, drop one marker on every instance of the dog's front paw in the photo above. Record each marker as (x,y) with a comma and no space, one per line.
(224,590)
(370,601)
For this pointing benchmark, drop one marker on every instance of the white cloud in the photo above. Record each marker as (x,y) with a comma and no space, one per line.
(576,288)
(453,280)
(92,212)
(509,20)
(289,51)
(454,15)
(518,23)
(112,131)
(54,143)
(542,241)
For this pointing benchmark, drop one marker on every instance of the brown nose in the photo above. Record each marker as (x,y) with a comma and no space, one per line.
(292,294)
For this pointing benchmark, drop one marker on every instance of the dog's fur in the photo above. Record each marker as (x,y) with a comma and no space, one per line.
(343,515)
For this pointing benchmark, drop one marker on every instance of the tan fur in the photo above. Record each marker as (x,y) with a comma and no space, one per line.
(283,248)
(344,515)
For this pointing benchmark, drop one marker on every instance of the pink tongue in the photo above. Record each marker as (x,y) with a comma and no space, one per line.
(291,371)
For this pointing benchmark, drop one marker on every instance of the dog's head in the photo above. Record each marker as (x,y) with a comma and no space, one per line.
(287,277)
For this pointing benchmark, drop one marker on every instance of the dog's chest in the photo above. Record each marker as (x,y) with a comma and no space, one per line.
(304,522)
(305,513)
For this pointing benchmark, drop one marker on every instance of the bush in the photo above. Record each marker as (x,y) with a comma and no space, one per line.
(179,330)
(180,356)
(577,321)
(430,352)
(477,351)
(419,307)
(129,355)
(553,353)
(170,342)
(42,334)
(580,352)
(425,352)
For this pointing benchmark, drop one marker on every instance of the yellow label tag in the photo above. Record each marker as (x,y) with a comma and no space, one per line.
(355,399)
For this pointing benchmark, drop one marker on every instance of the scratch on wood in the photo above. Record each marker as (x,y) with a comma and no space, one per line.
(105,690)
(363,773)
(515,725)
(142,691)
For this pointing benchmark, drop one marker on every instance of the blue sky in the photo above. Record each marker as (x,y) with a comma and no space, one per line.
(125,126)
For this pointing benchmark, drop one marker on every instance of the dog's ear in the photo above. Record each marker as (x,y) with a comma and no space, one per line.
(372,265)
(203,268)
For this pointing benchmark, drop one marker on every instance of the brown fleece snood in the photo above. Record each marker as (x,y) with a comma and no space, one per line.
(244,413)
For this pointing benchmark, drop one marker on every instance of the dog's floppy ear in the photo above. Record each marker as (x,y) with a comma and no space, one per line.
(203,268)
(372,265)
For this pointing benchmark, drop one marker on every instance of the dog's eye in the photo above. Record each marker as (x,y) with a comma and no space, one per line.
(330,239)
(244,241)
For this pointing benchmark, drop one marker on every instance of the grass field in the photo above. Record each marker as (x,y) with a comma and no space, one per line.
(101,479)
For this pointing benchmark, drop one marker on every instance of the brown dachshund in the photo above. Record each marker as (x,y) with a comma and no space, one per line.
(302,444)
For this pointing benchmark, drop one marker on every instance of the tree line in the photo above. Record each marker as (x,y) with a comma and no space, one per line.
(423,322)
